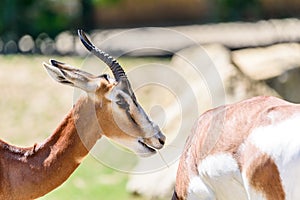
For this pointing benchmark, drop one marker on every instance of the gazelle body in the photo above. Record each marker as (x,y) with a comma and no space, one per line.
(248,150)
(109,109)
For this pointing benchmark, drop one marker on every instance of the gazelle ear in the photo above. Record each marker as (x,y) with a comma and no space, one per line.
(68,75)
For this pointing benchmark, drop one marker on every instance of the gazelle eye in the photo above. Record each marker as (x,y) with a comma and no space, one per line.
(120,102)
(123,104)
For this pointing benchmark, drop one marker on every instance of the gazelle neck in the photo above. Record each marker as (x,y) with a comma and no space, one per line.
(34,171)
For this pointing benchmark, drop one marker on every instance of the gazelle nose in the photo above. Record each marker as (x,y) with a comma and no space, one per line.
(157,141)
(161,138)
(161,141)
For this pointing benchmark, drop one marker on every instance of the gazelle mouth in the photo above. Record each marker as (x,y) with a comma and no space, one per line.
(151,149)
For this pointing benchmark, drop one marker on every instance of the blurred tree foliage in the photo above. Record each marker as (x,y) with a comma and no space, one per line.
(105,2)
(19,17)
(234,10)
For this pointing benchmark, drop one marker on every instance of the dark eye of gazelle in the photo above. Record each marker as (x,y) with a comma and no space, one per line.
(122,103)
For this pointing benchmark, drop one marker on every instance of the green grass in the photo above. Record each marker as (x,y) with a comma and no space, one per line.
(93,180)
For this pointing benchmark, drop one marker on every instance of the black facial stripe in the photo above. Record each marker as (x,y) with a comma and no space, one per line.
(127,109)
(140,108)
(135,102)
(148,119)
(130,117)
(124,105)
(127,89)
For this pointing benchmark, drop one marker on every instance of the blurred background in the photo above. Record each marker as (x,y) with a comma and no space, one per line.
(32,26)
(253,45)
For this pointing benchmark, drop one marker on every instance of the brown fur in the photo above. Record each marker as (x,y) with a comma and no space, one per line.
(28,173)
(265,177)
(224,129)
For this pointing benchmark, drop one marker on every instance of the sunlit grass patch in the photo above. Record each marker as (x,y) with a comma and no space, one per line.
(92,180)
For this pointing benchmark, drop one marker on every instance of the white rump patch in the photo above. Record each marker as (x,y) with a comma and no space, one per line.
(220,175)
(218,165)
(281,141)
(198,190)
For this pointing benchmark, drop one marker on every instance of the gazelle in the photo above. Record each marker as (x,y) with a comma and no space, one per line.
(248,150)
(109,109)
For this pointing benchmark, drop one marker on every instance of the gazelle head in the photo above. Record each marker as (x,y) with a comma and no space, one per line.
(119,114)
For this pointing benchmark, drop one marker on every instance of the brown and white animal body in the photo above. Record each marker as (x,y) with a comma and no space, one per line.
(110,109)
(248,150)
